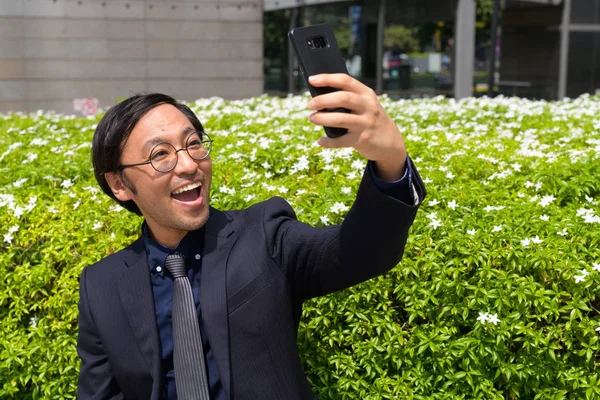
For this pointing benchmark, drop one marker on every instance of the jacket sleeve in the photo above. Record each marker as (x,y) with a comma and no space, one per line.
(368,243)
(96,380)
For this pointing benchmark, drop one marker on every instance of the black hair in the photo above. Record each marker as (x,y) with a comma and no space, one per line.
(114,129)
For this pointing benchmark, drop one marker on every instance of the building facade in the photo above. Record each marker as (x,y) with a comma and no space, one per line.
(55,51)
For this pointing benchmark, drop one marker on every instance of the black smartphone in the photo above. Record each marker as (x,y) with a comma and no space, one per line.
(318,53)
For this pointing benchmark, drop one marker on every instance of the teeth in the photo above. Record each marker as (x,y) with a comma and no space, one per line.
(188,187)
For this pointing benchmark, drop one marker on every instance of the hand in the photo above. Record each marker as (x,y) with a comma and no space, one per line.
(370,130)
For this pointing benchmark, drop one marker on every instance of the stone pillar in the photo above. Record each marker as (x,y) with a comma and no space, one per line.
(464,57)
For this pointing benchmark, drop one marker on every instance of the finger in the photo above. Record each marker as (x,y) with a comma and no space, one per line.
(341,81)
(349,100)
(347,140)
(336,119)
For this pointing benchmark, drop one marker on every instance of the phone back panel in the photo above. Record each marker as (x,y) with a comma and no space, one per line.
(327,60)
(324,60)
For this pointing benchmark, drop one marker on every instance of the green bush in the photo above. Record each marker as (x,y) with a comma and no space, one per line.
(497,294)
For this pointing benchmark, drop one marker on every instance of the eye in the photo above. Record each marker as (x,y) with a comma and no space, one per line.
(194,143)
(159,154)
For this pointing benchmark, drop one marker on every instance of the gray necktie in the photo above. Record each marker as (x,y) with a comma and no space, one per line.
(188,356)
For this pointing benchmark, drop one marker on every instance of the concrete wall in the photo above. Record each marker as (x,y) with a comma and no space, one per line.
(53,51)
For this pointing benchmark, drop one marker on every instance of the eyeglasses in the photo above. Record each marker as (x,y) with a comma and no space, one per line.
(164,156)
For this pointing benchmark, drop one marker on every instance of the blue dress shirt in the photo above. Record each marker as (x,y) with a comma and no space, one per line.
(191,247)
(162,289)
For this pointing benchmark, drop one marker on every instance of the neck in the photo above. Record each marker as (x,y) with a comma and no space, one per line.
(168,238)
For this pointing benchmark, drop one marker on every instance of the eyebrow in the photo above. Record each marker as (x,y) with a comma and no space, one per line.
(153,142)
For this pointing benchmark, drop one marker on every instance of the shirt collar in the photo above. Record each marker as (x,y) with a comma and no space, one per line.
(190,246)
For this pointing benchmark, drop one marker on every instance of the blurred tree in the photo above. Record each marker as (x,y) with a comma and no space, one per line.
(401,39)
(335,16)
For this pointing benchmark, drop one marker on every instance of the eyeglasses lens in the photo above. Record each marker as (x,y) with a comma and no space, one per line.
(164,156)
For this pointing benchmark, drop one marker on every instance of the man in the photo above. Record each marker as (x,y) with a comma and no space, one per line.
(249,270)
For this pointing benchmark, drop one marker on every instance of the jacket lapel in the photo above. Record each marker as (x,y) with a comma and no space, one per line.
(136,296)
(218,241)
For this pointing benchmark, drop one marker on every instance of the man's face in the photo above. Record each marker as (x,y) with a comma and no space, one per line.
(169,213)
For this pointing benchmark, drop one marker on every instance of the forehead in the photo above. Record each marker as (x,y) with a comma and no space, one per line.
(163,123)
(162,118)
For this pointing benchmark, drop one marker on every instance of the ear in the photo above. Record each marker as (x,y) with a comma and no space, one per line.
(119,189)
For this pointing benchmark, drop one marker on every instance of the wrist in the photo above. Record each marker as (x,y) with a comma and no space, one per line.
(391,170)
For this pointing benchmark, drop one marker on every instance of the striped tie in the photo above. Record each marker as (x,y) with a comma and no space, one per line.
(188,357)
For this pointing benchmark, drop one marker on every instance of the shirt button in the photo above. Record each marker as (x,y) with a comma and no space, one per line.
(197,256)
(158,269)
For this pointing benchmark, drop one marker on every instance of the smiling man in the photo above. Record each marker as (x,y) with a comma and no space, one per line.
(206,303)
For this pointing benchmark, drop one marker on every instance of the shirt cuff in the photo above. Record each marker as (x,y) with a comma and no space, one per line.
(402,189)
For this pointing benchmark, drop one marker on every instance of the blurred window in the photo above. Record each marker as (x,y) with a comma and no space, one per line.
(585,11)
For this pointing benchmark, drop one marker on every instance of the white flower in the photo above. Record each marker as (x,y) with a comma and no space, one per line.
(358,165)
(598,329)
(13,229)
(544,217)
(538,186)
(339,208)
(266,165)
(449,175)
(536,240)
(324,219)
(528,184)
(249,197)
(590,199)
(525,242)
(493,318)
(546,200)
(67,183)
(97,225)
(33,322)
(76,205)
(30,158)
(282,189)
(20,182)
(31,203)
(452,205)
(486,317)
(8,238)
(497,228)
(472,232)
(432,215)
(18,212)
(596,267)
(351,175)
(521,195)
(301,165)
(483,317)
(434,202)
(300,192)
(53,210)
(563,233)
(346,190)
(225,189)
(493,208)
(435,223)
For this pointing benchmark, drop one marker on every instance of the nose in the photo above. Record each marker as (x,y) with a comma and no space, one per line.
(185,163)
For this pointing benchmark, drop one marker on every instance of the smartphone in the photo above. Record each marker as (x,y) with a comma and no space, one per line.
(318,53)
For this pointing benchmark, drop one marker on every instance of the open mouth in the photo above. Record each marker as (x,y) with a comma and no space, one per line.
(188,194)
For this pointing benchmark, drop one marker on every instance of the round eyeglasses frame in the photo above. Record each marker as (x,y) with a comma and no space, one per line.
(204,139)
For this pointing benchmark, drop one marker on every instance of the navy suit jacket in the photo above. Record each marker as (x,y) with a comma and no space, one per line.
(259,265)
